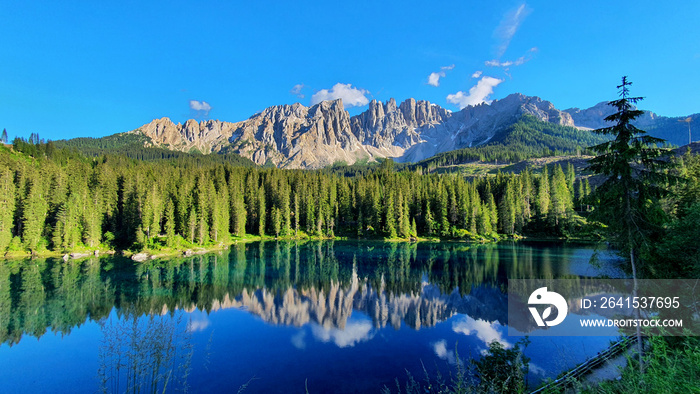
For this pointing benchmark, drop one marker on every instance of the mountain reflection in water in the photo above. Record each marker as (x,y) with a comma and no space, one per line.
(340,292)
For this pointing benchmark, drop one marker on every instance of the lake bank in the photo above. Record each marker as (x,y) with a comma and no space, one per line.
(162,251)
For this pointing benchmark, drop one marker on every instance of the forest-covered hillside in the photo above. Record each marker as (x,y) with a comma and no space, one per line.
(61,200)
(527,138)
(132,146)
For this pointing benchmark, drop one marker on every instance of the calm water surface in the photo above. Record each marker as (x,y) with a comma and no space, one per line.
(279,317)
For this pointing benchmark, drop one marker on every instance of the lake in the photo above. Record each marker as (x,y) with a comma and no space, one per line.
(332,316)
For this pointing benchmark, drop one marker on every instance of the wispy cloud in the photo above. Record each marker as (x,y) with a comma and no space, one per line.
(503,34)
(352,97)
(200,108)
(496,63)
(296,90)
(478,94)
(508,27)
(509,63)
(434,77)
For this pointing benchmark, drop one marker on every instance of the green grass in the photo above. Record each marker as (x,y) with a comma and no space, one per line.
(672,365)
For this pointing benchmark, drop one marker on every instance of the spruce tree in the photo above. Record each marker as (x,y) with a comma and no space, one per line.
(276,221)
(475,209)
(560,196)
(33,215)
(627,200)
(484,220)
(286,211)
(191,224)
(215,230)
(429,221)
(92,218)
(442,211)
(631,165)
(570,176)
(296,214)
(262,211)
(238,215)
(169,223)
(506,210)
(402,215)
(7,207)
(543,194)
(526,177)
(390,221)
(493,212)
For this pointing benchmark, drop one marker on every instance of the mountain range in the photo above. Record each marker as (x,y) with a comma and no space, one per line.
(296,136)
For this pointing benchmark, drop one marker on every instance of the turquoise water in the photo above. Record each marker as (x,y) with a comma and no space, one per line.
(277,316)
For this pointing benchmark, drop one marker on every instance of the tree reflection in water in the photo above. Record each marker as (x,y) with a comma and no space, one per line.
(340,292)
(291,284)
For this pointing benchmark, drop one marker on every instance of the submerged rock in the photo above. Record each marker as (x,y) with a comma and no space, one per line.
(139,257)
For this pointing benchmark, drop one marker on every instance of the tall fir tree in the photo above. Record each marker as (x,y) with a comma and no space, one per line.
(34,214)
(7,207)
(628,199)
(169,223)
(543,195)
(390,221)
(560,196)
(92,217)
(262,210)
(506,210)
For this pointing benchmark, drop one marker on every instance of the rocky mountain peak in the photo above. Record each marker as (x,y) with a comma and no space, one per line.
(390,105)
(594,117)
(296,136)
(535,106)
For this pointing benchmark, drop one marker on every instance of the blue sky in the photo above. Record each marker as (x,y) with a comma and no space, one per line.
(93,68)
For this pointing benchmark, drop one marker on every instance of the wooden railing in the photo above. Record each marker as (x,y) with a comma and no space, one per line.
(589,365)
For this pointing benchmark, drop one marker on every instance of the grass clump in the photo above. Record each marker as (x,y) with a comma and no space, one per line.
(672,365)
(500,370)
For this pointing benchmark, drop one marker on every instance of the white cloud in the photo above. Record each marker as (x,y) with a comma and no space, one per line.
(298,340)
(509,63)
(201,108)
(478,94)
(440,349)
(352,97)
(296,90)
(353,333)
(434,78)
(484,330)
(476,74)
(195,325)
(536,369)
(496,63)
(508,27)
